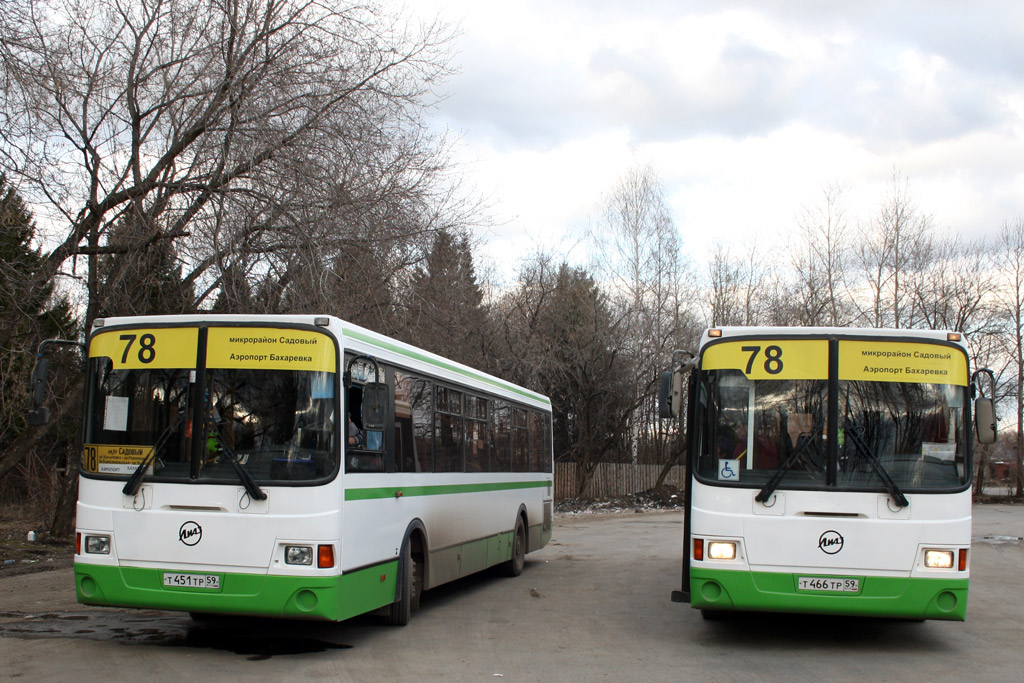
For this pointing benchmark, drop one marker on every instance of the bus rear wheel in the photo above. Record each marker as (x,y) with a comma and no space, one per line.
(514,567)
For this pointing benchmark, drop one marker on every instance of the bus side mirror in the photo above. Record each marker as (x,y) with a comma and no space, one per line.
(375,406)
(39,414)
(670,394)
(985,420)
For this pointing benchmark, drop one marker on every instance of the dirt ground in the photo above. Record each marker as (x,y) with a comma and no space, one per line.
(18,555)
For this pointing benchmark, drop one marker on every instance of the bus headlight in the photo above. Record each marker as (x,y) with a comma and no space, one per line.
(298,554)
(938,559)
(721,550)
(97,545)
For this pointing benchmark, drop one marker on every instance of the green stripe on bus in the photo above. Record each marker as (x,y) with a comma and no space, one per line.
(493,381)
(881,596)
(331,598)
(439,490)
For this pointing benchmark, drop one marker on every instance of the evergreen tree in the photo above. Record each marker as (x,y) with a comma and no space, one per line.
(142,276)
(39,316)
(445,311)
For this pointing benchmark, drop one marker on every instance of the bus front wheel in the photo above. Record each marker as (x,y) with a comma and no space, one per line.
(410,585)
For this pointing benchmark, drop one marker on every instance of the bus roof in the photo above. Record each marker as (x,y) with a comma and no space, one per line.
(725,332)
(352,337)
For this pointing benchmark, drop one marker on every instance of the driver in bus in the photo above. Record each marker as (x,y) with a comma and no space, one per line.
(355,435)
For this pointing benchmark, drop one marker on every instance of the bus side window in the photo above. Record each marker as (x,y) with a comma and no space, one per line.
(405,443)
(423,424)
(538,438)
(477,434)
(364,447)
(501,456)
(520,441)
(448,430)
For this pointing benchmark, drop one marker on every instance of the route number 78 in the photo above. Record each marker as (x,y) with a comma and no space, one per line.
(772,355)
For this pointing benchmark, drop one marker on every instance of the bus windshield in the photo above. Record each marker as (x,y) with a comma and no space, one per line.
(763,421)
(200,421)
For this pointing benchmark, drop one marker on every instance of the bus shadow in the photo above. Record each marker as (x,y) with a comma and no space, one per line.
(772,632)
(453,591)
(255,638)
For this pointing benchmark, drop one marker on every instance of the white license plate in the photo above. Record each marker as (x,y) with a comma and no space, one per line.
(211,581)
(831,585)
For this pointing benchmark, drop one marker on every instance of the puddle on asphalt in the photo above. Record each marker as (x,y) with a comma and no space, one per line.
(256,639)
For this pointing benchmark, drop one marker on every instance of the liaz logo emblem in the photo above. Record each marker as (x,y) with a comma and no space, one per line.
(190,533)
(830,542)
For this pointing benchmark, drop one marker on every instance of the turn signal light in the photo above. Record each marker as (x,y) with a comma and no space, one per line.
(325,556)
(698,548)
(961,563)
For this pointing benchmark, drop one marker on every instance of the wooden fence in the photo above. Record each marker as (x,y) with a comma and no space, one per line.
(613,479)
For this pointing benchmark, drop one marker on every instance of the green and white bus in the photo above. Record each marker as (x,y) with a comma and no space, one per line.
(829,471)
(297,466)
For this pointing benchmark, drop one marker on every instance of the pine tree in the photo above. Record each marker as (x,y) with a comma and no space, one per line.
(39,316)
(143,277)
(445,303)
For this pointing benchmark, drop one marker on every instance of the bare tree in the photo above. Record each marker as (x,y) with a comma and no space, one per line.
(724,298)
(953,286)
(638,262)
(208,121)
(889,250)
(1011,297)
(818,259)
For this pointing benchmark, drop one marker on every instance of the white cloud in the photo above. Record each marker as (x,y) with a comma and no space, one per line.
(746,110)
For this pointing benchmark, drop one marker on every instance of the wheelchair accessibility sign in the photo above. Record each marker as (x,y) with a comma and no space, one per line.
(728,470)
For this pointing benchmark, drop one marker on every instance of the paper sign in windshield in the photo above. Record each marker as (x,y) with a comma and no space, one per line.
(113,459)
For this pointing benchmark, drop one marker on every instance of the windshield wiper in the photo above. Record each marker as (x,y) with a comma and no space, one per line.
(858,441)
(131,487)
(780,472)
(251,487)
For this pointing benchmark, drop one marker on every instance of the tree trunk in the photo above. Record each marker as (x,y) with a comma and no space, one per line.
(64,513)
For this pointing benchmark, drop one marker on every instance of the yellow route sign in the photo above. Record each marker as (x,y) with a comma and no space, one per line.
(899,361)
(770,358)
(270,348)
(147,348)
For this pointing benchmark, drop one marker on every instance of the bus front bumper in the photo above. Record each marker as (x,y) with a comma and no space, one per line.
(879,596)
(330,598)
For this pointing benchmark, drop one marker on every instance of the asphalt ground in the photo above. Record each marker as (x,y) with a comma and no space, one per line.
(591,606)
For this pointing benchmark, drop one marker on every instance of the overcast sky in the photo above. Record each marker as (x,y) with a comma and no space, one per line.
(745,110)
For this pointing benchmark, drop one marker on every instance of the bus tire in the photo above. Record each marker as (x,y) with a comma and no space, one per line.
(400,611)
(514,566)
(416,589)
